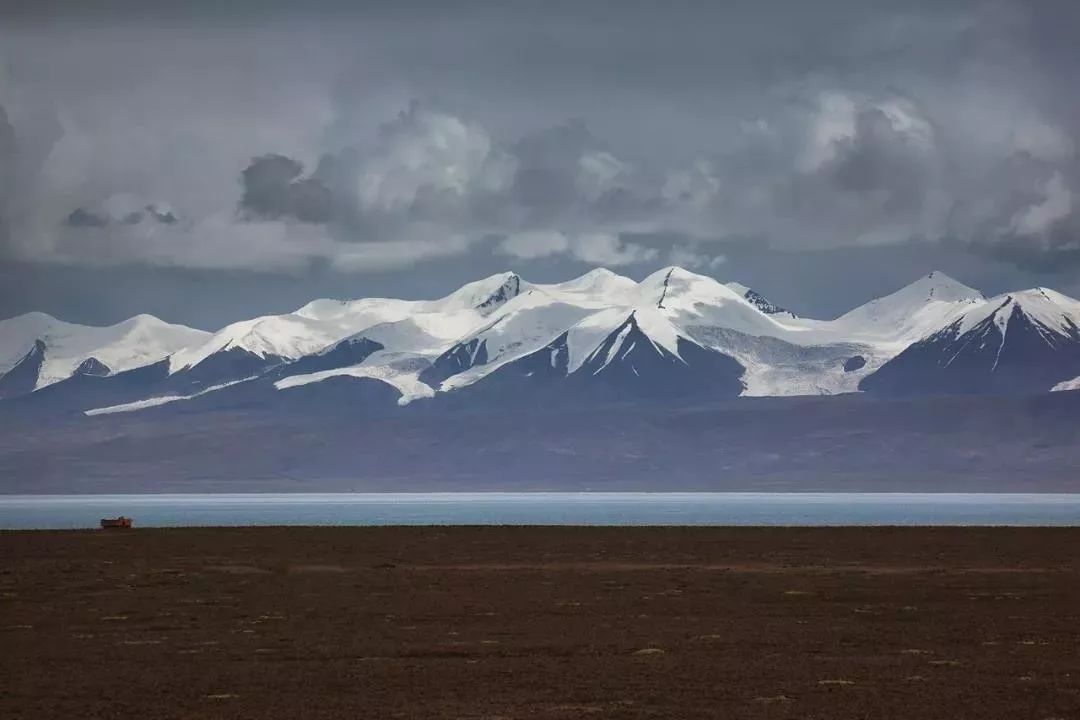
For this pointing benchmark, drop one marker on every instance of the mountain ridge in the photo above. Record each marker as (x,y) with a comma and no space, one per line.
(897,344)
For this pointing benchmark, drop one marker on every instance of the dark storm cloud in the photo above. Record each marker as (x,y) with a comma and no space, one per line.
(274,187)
(557,132)
(7,173)
(27,135)
(1025,209)
(80,217)
(87,218)
(267,185)
(556,190)
(566,174)
(880,159)
(162,215)
(850,169)
(544,182)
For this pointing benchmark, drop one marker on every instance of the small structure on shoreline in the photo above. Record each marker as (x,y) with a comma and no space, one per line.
(118,523)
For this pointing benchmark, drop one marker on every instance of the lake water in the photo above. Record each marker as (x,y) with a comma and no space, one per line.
(81,511)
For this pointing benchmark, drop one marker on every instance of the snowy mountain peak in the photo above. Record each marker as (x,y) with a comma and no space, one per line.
(936,285)
(22,378)
(587,336)
(595,279)
(643,327)
(596,288)
(678,271)
(692,300)
(600,273)
(485,295)
(759,301)
(143,319)
(64,347)
(676,274)
(766,306)
(678,288)
(660,331)
(270,337)
(913,311)
(33,316)
(1045,295)
(508,290)
(1047,308)
(1025,341)
(30,323)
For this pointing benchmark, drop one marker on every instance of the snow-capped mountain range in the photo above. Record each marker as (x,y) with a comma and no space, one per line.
(37,350)
(674,335)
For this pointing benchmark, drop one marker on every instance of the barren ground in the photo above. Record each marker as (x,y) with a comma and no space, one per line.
(541,623)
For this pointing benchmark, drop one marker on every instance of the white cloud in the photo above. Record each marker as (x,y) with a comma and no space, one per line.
(695,186)
(535,244)
(427,151)
(221,241)
(609,249)
(833,123)
(1033,135)
(856,169)
(1056,205)
(688,257)
(757,126)
(381,256)
(907,120)
(836,122)
(595,248)
(599,173)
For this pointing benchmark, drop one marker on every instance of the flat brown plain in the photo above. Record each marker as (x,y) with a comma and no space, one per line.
(541,623)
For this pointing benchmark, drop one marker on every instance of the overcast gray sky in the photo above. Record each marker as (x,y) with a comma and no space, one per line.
(206,161)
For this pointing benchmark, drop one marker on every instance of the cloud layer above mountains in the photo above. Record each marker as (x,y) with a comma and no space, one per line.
(369,139)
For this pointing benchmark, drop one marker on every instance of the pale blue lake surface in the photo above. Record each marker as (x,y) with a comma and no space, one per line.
(81,511)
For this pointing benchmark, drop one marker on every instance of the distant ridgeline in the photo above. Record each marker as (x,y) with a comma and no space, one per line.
(675,338)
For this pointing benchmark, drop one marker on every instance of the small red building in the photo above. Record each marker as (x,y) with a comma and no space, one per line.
(120,523)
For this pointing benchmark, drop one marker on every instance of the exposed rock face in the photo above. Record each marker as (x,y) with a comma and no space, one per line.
(23,378)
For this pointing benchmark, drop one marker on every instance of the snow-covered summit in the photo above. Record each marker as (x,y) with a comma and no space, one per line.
(678,288)
(273,336)
(135,342)
(585,338)
(910,312)
(481,295)
(1049,309)
(422,325)
(1026,341)
(597,288)
(759,301)
(591,308)
(690,299)
(484,295)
